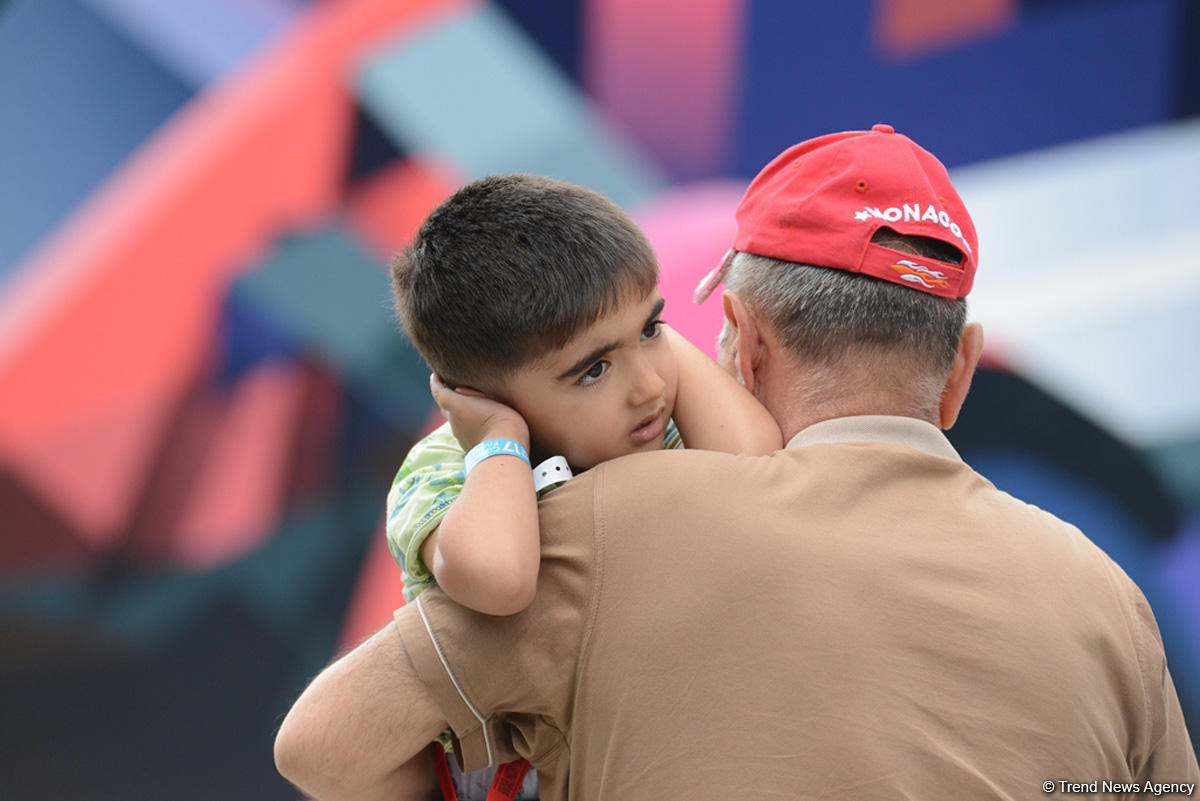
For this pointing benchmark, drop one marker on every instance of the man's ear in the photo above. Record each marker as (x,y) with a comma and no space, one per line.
(746,341)
(970,345)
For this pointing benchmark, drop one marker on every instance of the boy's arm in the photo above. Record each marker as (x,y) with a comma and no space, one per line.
(425,487)
(486,551)
(713,411)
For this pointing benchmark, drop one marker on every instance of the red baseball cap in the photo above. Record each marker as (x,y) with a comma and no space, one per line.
(821,201)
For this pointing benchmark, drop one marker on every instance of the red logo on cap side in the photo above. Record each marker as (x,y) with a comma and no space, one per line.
(919,274)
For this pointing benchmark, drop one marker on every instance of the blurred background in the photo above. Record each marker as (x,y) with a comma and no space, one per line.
(203,394)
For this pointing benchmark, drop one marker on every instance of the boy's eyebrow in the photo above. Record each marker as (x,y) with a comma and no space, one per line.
(587,361)
(594,354)
(656,311)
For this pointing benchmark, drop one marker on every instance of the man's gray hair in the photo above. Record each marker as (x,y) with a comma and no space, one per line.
(822,316)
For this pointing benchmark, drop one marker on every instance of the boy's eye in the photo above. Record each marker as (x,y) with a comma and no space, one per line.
(593,373)
(652,330)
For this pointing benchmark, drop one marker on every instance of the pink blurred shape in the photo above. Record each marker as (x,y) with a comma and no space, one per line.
(378,593)
(691,227)
(667,73)
(226,466)
(236,498)
(912,28)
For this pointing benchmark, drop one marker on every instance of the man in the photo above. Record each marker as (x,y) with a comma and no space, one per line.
(859,615)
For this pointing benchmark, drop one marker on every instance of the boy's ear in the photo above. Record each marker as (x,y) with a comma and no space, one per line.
(742,349)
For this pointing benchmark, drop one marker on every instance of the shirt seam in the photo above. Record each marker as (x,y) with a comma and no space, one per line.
(1133,629)
(598,537)
(901,432)
(487,742)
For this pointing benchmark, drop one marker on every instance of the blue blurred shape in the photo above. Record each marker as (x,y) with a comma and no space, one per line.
(555,26)
(77,98)
(1060,74)
(247,338)
(198,40)
(474,92)
(372,150)
(1178,574)
(324,293)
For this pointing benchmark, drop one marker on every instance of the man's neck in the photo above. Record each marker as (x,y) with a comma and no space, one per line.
(791,429)
(800,409)
(801,393)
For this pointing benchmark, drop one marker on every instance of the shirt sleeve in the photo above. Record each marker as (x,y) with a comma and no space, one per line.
(1171,758)
(672,440)
(506,684)
(430,479)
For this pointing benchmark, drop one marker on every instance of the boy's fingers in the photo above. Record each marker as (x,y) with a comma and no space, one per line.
(473,393)
(436,387)
(436,384)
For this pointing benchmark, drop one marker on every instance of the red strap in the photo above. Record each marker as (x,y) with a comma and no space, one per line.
(443,773)
(505,785)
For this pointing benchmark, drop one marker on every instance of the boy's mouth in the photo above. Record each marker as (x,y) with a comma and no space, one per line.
(653,426)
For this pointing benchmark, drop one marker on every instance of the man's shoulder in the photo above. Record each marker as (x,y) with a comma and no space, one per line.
(662,473)
(643,478)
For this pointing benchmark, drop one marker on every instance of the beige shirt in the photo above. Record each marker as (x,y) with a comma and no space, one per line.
(858,616)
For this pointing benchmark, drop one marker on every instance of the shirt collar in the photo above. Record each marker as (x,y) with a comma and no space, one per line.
(908,432)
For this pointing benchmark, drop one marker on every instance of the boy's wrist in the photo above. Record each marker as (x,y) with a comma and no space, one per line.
(506,429)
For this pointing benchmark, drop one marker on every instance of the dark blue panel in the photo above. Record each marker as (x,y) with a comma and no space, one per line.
(246,338)
(1061,74)
(554,25)
(76,99)
(372,150)
(1187,55)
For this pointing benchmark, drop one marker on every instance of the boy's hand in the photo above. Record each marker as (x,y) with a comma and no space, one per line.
(474,417)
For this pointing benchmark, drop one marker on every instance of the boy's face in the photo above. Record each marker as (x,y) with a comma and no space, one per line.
(606,393)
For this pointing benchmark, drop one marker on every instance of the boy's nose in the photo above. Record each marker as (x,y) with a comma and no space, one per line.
(647,383)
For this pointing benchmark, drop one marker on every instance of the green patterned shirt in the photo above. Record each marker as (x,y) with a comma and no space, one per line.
(427,483)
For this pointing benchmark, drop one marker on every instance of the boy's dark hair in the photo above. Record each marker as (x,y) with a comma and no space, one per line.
(511,267)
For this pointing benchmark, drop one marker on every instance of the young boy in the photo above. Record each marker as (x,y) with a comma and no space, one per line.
(534,302)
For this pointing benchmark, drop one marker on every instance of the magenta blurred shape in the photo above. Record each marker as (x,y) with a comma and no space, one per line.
(691,227)
(668,73)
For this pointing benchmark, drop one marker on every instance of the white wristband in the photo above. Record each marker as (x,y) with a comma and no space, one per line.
(554,470)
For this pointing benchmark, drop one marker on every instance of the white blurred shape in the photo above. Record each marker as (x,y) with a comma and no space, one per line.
(1089,279)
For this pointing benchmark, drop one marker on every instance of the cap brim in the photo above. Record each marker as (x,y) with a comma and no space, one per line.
(713,279)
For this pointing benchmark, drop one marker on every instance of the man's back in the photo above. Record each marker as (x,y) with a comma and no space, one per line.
(858,616)
(858,620)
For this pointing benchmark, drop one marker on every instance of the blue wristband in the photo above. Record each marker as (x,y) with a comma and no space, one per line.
(494,447)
